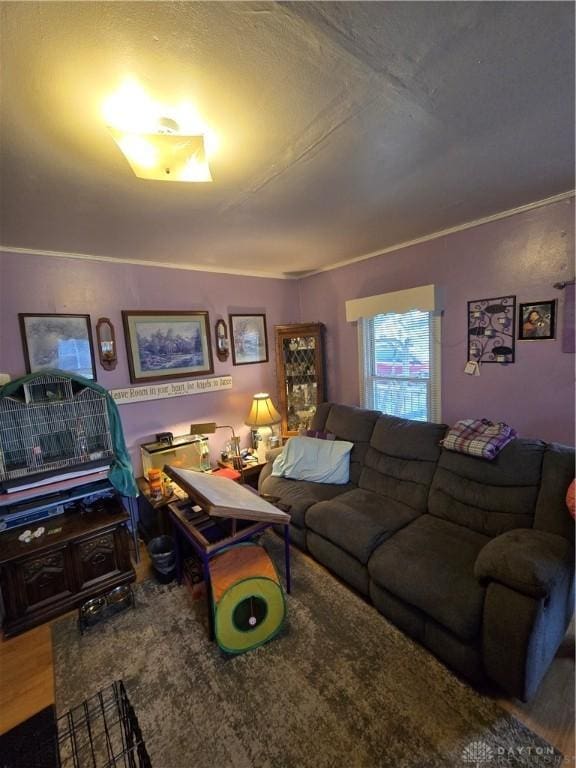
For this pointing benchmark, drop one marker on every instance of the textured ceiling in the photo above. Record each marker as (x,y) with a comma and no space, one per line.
(345,127)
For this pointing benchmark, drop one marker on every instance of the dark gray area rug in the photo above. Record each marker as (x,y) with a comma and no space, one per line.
(338,687)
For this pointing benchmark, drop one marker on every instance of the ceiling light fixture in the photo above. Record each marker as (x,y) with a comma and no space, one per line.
(161,143)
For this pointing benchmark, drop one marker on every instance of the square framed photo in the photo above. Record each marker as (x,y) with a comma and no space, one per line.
(167,345)
(249,339)
(58,341)
(537,320)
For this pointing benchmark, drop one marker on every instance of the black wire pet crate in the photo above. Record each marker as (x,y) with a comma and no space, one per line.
(102,732)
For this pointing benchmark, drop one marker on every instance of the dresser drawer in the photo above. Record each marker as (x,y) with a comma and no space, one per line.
(45,579)
(97,558)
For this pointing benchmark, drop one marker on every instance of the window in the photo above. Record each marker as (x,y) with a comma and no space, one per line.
(400,364)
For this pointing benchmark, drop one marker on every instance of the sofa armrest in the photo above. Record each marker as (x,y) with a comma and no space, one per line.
(266,471)
(528,561)
(272,453)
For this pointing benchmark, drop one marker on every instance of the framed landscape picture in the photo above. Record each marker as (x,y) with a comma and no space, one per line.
(167,345)
(249,341)
(58,341)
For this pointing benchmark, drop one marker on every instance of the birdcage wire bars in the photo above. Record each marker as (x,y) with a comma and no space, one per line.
(51,425)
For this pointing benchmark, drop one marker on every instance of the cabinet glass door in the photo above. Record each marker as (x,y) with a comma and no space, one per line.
(300,365)
(301,381)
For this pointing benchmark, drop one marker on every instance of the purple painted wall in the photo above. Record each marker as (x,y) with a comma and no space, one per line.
(45,284)
(522,255)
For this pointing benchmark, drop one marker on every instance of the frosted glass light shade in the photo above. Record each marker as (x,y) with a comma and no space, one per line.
(164,156)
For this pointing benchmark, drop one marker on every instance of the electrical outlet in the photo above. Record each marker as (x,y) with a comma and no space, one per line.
(4,379)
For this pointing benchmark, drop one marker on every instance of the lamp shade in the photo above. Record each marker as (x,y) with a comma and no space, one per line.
(205,428)
(262,412)
(164,156)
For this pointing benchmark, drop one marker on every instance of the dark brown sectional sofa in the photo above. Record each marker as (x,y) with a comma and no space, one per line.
(472,558)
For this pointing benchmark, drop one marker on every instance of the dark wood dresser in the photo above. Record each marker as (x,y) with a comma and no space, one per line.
(82,554)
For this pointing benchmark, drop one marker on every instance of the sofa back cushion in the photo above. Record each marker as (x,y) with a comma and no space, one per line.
(320,415)
(552,513)
(490,497)
(401,460)
(348,423)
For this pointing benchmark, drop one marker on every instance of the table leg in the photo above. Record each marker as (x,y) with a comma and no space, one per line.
(132,504)
(208,586)
(178,552)
(287,556)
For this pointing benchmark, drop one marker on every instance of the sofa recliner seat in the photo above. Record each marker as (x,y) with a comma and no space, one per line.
(299,495)
(398,468)
(358,521)
(340,562)
(463,657)
(347,423)
(474,559)
(430,565)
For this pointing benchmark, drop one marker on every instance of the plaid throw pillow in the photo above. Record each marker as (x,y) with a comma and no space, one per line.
(318,434)
(479,437)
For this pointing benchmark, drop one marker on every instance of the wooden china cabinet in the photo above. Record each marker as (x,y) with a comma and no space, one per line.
(300,365)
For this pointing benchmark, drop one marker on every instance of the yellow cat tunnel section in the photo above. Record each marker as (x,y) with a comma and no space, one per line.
(247,598)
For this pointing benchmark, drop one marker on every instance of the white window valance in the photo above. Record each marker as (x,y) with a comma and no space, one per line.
(426,298)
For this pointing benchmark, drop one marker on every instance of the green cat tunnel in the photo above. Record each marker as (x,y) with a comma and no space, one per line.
(247,598)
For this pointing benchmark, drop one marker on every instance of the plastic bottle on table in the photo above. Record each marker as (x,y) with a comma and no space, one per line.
(155,483)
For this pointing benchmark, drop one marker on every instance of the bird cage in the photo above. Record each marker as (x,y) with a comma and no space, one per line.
(52,423)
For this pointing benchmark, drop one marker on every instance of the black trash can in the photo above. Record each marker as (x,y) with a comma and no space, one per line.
(162,553)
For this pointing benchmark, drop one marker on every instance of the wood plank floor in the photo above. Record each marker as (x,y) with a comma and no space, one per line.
(27,669)
(26,676)
(27,685)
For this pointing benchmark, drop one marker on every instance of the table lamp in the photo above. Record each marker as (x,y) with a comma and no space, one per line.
(209,427)
(261,417)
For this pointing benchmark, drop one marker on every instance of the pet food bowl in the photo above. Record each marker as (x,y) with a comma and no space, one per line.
(91,611)
(119,597)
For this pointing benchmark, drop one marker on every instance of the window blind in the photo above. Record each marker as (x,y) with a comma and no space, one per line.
(400,364)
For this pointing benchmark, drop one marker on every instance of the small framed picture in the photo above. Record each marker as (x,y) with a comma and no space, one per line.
(167,345)
(537,321)
(58,341)
(249,340)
